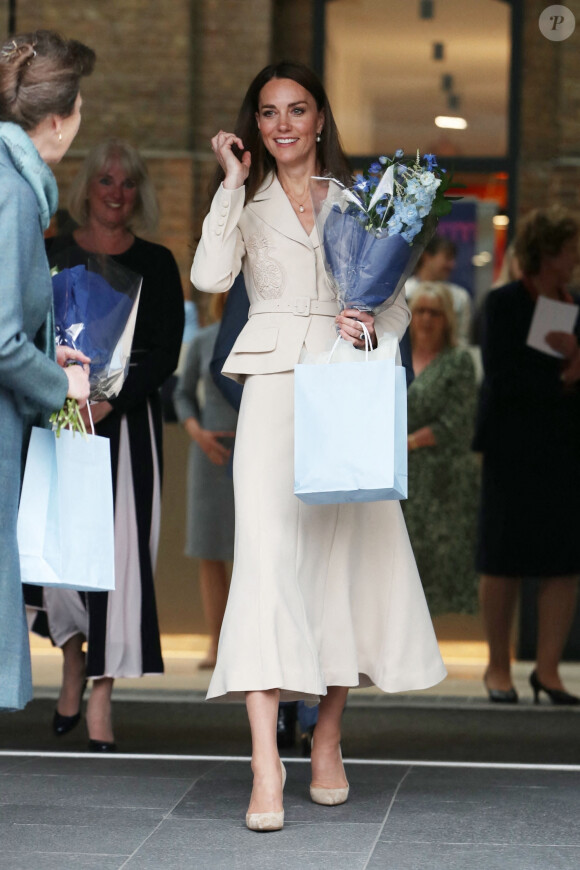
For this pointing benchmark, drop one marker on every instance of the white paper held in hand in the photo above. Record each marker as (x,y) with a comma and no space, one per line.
(550,315)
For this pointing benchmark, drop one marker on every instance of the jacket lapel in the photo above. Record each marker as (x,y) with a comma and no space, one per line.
(272,206)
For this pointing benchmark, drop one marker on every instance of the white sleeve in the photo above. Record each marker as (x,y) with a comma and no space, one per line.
(394,319)
(218,257)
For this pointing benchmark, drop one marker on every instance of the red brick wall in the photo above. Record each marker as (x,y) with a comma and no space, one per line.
(549,159)
(140,89)
(166,79)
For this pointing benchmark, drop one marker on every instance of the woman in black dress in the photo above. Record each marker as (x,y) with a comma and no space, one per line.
(111,196)
(529,432)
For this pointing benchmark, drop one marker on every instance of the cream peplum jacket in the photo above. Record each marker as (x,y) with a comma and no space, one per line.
(292,304)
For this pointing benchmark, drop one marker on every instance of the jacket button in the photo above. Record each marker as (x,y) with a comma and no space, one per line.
(218,232)
(221,222)
(225,203)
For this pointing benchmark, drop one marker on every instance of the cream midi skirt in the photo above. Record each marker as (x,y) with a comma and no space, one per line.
(321,595)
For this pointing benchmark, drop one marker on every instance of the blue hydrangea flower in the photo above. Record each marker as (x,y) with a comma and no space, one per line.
(410,233)
(424,197)
(395,224)
(430,182)
(409,214)
(414,187)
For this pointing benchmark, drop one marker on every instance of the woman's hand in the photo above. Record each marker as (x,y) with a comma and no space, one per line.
(78,383)
(567,345)
(211,446)
(78,375)
(236,170)
(423,437)
(99,410)
(64,354)
(351,331)
(209,441)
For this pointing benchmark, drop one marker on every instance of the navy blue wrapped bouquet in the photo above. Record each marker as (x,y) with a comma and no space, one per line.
(95,309)
(373,233)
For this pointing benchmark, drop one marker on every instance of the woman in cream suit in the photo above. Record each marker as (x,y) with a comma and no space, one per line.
(322,597)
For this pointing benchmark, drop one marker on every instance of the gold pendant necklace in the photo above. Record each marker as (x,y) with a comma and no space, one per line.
(300,205)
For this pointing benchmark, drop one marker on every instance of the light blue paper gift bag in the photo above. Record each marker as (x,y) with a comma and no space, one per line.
(350,427)
(65,519)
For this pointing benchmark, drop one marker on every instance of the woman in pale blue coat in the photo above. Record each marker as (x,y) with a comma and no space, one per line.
(39,117)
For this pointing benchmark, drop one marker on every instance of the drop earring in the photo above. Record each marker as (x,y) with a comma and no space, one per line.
(60,137)
(318,137)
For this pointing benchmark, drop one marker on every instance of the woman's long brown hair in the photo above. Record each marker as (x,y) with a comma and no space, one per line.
(330,156)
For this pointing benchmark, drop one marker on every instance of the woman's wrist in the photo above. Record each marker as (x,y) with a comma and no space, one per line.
(230,183)
(192,428)
(412,442)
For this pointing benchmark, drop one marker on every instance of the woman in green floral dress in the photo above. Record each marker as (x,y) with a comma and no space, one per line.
(443,472)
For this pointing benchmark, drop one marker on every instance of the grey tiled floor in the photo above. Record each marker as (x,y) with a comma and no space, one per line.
(69,813)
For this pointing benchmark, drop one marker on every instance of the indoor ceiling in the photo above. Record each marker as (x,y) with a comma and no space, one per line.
(385,86)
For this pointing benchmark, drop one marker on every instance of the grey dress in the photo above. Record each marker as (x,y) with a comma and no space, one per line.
(210,494)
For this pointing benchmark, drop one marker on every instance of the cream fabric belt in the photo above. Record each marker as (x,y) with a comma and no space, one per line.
(301,306)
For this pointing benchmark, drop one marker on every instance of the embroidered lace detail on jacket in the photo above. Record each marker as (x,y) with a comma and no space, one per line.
(267,273)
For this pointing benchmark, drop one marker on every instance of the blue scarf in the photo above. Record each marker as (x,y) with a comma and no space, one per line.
(28,162)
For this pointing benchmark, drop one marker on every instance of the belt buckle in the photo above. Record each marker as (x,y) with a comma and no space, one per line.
(302,306)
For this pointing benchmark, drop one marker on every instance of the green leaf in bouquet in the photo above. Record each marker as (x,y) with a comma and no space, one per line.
(440,209)
(69,417)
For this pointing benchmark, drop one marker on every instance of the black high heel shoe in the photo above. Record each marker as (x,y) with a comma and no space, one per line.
(501,696)
(556,696)
(102,746)
(63,724)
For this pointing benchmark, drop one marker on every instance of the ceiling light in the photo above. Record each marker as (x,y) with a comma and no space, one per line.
(446,82)
(500,220)
(438,51)
(426,8)
(453,102)
(450,123)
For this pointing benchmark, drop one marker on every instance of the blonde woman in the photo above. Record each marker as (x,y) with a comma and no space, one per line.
(112,198)
(443,472)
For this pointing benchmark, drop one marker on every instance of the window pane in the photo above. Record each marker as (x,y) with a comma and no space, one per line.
(386,86)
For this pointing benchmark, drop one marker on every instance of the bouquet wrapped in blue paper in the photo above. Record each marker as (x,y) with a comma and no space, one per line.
(373,233)
(95,308)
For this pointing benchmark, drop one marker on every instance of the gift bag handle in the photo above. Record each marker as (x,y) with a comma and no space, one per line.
(367,337)
(91,418)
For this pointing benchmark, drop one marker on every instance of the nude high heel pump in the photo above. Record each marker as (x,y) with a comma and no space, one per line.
(329,797)
(267,821)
